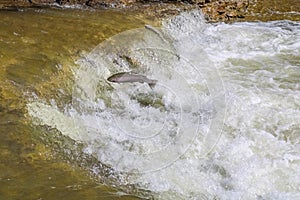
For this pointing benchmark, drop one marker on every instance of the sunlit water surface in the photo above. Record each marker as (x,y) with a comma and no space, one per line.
(37,49)
(222,122)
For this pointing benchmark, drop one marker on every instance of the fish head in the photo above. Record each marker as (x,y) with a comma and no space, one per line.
(119,77)
(113,78)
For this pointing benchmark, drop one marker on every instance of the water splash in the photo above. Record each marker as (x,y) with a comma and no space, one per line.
(169,140)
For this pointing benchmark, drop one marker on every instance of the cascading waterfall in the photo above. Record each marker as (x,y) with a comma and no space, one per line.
(222,122)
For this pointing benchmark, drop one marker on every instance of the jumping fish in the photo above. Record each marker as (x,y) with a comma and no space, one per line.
(130,77)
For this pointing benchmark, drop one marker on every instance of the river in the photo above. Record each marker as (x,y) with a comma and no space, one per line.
(222,122)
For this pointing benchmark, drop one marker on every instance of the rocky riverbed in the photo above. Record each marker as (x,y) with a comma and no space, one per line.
(214,10)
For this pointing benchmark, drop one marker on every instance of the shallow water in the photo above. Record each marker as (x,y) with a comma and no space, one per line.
(266,10)
(37,48)
(221,123)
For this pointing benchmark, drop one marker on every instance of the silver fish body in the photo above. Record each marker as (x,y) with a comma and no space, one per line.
(129,77)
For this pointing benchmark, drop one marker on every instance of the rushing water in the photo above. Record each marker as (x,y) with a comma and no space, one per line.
(222,122)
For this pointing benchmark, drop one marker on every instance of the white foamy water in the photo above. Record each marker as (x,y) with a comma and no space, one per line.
(223,121)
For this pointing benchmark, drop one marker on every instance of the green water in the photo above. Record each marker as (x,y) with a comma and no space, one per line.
(37,49)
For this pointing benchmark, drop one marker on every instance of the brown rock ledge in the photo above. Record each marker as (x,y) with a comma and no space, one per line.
(214,10)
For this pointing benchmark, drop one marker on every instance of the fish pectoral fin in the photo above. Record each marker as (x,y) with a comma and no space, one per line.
(152,84)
